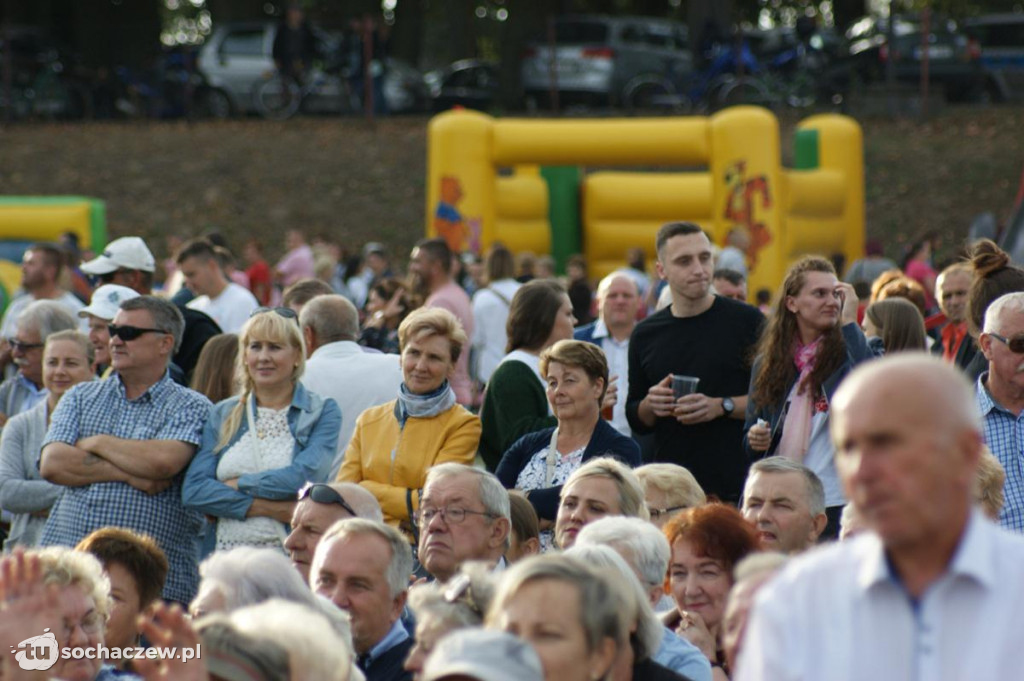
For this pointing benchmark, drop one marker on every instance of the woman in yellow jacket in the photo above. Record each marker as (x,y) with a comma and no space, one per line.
(394,444)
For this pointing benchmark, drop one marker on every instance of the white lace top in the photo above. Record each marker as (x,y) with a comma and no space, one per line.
(532,477)
(270,446)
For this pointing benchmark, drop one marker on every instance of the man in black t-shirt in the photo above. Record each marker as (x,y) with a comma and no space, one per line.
(702,335)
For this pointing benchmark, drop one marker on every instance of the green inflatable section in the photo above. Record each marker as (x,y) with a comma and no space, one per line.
(805,156)
(563,212)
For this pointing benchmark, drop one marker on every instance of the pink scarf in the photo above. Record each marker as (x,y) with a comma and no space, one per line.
(796,430)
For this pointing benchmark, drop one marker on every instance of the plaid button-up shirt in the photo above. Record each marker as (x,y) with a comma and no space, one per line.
(166,411)
(1004,435)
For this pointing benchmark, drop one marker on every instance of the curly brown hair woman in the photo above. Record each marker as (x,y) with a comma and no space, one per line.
(809,345)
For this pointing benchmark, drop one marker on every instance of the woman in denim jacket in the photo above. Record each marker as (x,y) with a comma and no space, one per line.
(261,446)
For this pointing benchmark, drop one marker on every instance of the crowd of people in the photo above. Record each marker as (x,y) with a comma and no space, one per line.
(323,470)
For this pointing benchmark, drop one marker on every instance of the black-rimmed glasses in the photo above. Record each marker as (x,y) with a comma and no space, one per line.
(452,515)
(659,512)
(322,493)
(130,333)
(1016,344)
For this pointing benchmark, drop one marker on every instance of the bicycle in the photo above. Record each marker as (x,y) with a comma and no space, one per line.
(279,97)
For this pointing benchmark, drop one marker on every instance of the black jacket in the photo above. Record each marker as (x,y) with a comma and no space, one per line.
(605,440)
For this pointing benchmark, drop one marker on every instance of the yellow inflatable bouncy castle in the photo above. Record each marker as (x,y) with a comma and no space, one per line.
(25,220)
(603,186)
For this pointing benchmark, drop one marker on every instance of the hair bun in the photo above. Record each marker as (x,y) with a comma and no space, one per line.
(987,258)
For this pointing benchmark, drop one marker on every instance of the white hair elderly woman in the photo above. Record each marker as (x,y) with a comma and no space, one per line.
(63,592)
(646,550)
(440,609)
(636,661)
(245,576)
(577,618)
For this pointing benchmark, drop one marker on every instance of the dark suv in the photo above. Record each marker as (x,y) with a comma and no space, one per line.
(608,61)
(953,62)
(1001,37)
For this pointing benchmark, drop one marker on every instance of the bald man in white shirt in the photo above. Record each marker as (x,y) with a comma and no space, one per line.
(935,591)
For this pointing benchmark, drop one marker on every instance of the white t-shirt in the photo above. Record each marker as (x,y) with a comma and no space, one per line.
(9,327)
(231,309)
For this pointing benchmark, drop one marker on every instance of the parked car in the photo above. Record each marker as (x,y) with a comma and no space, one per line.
(1001,38)
(953,59)
(613,61)
(237,56)
(472,83)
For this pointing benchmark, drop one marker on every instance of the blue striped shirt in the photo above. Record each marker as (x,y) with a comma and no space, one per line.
(166,411)
(1004,435)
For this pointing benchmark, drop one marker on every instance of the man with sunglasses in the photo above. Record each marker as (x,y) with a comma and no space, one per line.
(1000,393)
(320,506)
(128,262)
(119,445)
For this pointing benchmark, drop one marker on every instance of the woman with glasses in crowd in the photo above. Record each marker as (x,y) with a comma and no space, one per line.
(67,361)
(260,446)
(810,343)
(539,463)
(668,490)
(395,443)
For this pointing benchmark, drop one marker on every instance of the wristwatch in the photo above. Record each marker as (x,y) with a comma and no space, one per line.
(728,406)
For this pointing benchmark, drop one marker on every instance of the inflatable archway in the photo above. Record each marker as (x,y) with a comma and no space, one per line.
(526,184)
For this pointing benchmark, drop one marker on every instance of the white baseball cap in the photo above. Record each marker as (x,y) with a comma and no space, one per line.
(485,655)
(106,301)
(128,252)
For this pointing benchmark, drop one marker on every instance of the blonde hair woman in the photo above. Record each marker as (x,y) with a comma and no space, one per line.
(67,361)
(261,446)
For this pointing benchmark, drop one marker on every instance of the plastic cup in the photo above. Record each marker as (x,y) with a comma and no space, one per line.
(683,385)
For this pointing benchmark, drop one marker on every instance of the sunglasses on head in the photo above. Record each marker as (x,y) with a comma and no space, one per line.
(325,494)
(130,333)
(285,312)
(1016,344)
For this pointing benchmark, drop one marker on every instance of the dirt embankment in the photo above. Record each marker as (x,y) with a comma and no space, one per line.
(354,182)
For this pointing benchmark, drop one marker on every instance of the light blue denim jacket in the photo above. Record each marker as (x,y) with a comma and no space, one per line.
(314,422)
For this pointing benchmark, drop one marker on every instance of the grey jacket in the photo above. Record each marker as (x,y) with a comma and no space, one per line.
(22,489)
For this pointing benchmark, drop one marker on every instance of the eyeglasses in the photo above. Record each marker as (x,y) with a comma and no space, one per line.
(22,347)
(91,624)
(130,333)
(452,515)
(1016,344)
(285,312)
(658,512)
(325,494)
